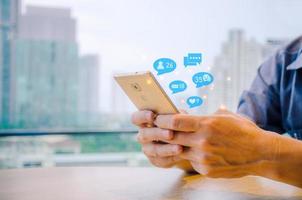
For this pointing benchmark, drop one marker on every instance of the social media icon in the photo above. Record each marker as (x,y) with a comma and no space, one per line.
(177,86)
(164,65)
(202,79)
(192,59)
(194,101)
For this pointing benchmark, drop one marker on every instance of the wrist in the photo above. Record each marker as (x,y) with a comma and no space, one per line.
(281,158)
(269,154)
(270,146)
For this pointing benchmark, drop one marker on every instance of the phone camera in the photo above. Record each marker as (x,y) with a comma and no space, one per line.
(136,87)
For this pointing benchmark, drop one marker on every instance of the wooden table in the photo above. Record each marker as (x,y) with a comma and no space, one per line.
(117,183)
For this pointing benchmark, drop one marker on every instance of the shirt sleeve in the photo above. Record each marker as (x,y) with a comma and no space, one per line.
(261,103)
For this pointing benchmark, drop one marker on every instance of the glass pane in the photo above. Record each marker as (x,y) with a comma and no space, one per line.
(58,57)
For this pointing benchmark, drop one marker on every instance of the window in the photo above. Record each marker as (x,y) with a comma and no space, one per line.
(58,58)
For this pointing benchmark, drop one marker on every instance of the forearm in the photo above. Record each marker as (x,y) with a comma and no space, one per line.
(283,160)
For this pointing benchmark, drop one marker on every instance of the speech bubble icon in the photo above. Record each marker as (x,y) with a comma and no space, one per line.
(164,65)
(194,101)
(177,86)
(192,59)
(202,79)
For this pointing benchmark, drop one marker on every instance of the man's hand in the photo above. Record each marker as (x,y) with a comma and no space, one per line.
(160,154)
(220,145)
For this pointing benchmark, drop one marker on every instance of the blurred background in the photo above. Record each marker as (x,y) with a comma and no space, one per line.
(59,105)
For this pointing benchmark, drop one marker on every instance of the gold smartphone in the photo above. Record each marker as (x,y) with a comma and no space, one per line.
(145,92)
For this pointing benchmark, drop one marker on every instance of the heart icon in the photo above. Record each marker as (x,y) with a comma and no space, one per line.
(192,101)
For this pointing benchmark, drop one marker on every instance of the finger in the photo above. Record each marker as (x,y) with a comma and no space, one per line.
(189,154)
(179,122)
(204,158)
(182,111)
(161,150)
(187,139)
(164,162)
(147,135)
(140,118)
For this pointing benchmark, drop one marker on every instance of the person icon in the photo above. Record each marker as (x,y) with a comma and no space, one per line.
(160,66)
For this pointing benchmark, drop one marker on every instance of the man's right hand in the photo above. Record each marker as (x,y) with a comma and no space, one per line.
(160,154)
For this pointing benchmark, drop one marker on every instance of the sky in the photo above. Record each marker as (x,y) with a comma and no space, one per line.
(129,35)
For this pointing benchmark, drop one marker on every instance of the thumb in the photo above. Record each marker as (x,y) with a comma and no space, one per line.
(182,111)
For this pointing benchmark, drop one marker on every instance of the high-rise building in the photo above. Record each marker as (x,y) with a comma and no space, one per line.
(235,68)
(48,24)
(89,84)
(9,16)
(89,91)
(46,68)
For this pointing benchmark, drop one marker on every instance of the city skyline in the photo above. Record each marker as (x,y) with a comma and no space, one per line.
(45,83)
(67,51)
(46,68)
(130,35)
(144,60)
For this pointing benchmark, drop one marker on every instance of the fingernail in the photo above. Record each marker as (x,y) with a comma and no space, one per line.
(168,134)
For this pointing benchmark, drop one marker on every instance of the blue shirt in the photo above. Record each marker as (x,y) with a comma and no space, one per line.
(274,101)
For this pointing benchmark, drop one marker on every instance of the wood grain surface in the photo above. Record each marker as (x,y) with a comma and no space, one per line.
(119,183)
